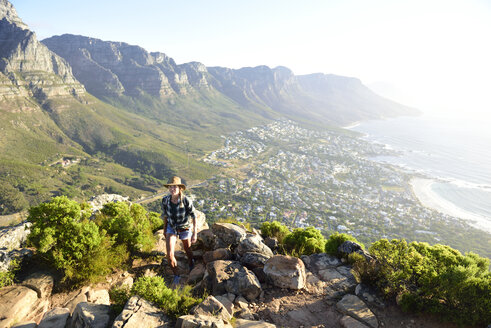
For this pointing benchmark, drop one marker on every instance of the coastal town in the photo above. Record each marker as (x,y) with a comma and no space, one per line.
(324,179)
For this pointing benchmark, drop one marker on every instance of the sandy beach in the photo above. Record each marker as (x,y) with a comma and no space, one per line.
(427,197)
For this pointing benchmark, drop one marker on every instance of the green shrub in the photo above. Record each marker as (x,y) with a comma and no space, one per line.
(62,233)
(274,229)
(304,241)
(435,279)
(119,296)
(336,239)
(156,221)
(7,277)
(129,225)
(175,302)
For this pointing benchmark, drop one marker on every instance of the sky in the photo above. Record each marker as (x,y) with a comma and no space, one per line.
(434,55)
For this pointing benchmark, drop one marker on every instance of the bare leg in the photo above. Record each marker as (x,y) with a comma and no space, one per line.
(186,244)
(170,242)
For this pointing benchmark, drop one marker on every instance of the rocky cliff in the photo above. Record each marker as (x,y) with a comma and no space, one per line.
(28,69)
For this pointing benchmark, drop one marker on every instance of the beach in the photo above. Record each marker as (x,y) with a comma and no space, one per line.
(423,191)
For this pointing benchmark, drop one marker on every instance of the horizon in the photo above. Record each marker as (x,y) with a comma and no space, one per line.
(421,54)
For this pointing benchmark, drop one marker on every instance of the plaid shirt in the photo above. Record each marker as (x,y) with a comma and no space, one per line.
(181,220)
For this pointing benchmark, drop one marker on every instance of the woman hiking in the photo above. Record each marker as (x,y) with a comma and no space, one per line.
(176,211)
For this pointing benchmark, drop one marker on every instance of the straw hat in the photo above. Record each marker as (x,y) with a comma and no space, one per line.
(175,181)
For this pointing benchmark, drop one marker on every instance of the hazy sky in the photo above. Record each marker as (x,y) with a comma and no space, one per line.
(432,54)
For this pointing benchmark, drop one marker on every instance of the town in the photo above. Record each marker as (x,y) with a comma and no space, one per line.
(324,179)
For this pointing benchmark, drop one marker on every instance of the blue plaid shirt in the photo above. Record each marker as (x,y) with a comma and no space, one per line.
(181,220)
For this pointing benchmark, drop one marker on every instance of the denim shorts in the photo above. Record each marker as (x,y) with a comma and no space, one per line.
(185,234)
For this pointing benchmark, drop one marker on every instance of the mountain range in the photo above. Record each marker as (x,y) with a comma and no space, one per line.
(130,118)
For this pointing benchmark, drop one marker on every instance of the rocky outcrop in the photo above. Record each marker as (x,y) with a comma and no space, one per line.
(28,68)
(141,313)
(88,315)
(285,272)
(354,307)
(16,303)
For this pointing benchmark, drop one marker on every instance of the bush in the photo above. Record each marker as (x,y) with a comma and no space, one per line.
(175,302)
(129,225)
(62,233)
(156,221)
(304,241)
(119,296)
(435,279)
(274,229)
(7,277)
(336,239)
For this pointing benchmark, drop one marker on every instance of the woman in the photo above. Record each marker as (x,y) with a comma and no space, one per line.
(176,210)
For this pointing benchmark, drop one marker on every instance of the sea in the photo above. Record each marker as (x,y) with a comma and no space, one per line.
(454,152)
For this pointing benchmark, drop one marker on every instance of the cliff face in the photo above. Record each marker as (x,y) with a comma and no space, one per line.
(28,68)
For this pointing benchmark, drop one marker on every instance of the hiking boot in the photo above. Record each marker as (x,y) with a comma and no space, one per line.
(191,265)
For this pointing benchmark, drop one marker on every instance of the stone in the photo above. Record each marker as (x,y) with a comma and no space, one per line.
(272,243)
(229,305)
(228,234)
(243,323)
(232,277)
(321,261)
(41,282)
(253,244)
(197,273)
(16,303)
(338,284)
(349,322)
(100,296)
(13,237)
(30,324)
(79,297)
(207,239)
(217,254)
(97,202)
(88,315)
(6,257)
(241,303)
(138,312)
(127,281)
(354,307)
(285,272)
(369,295)
(200,321)
(253,260)
(55,318)
(212,307)
(349,247)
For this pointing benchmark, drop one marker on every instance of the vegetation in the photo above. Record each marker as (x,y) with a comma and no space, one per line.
(7,278)
(336,239)
(435,279)
(119,296)
(304,241)
(274,229)
(175,302)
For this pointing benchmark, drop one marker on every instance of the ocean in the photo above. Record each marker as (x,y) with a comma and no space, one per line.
(455,153)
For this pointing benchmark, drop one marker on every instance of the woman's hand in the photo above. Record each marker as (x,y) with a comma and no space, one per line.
(194,237)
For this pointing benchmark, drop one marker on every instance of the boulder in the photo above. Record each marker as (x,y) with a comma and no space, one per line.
(200,321)
(217,254)
(285,272)
(272,243)
(41,282)
(6,257)
(354,307)
(228,235)
(349,247)
(232,277)
(79,297)
(337,283)
(253,260)
(369,295)
(212,307)
(100,296)
(226,303)
(13,237)
(87,315)
(349,322)
(253,244)
(30,324)
(55,318)
(321,261)
(196,274)
(207,239)
(140,313)
(16,303)
(243,323)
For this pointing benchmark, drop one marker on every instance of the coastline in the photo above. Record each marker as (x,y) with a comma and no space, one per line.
(428,198)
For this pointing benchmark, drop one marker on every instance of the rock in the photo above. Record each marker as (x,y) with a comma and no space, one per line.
(218,254)
(30,324)
(241,303)
(138,312)
(245,314)
(212,307)
(207,239)
(349,247)
(349,322)
(197,273)
(285,272)
(100,296)
(232,277)
(97,202)
(253,244)
(16,303)
(253,260)
(87,315)
(6,257)
(55,318)
(13,237)
(354,307)
(243,323)
(229,305)
(127,281)
(369,295)
(322,261)
(78,298)
(228,234)
(200,321)
(41,282)
(336,279)
(272,243)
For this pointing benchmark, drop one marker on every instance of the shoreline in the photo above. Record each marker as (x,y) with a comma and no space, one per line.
(422,190)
